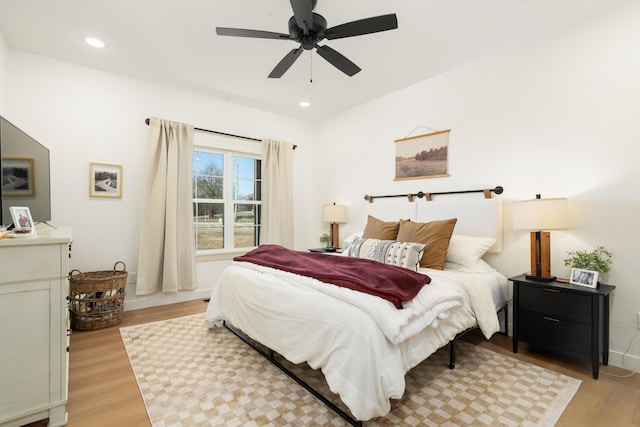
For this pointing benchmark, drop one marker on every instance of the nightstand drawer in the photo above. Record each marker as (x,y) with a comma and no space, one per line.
(554,333)
(556,303)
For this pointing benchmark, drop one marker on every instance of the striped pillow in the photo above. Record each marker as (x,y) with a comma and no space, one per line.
(400,254)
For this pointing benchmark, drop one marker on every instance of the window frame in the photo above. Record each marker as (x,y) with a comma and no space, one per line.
(228,147)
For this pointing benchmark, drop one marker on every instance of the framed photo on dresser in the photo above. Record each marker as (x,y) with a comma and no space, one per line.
(21,217)
(582,277)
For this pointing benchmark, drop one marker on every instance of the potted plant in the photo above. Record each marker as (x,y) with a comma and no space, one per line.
(598,259)
(325,239)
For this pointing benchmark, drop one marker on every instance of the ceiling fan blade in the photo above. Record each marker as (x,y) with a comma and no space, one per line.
(363,26)
(241,32)
(338,60)
(303,12)
(285,63)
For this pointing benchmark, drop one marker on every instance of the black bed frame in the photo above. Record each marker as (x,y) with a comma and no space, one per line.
(270,355)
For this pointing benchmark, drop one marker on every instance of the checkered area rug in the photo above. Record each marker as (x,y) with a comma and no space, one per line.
(190,375)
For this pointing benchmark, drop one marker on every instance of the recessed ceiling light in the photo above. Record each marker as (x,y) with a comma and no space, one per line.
(92,41)
(304,104)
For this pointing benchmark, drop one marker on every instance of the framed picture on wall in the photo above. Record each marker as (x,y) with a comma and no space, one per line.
(105,180)
(17,177)
(582,277)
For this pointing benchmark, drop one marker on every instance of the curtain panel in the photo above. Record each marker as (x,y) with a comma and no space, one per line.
(277,193)
(167,247)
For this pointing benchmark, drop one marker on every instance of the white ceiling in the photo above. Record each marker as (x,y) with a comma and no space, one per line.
(173,43)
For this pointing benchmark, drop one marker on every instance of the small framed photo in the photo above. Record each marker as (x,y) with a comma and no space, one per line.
(17,177)
(582,277)
(22,221)
(105,180)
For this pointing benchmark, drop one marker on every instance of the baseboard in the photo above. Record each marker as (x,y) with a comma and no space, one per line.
(630,362)
(136,302)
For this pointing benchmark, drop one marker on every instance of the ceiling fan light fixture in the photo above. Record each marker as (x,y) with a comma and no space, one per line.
(97,43)
(304,104)
(308,29)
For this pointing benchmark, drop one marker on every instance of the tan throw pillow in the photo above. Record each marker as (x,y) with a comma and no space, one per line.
(378,229)
(435,235)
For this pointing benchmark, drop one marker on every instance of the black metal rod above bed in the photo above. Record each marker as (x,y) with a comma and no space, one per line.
(420,194)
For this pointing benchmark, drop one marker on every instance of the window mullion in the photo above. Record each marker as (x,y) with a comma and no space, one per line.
(228,200)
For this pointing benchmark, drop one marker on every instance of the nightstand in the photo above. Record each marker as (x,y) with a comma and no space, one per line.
(561,317)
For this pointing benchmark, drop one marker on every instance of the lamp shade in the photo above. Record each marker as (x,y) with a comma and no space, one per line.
(334,213)
(541,214)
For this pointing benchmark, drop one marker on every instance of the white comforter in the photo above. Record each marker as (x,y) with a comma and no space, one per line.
(329,329)
(433,303)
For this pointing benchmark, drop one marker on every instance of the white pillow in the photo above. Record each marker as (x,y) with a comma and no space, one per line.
(466,250)
(349,240)
(479,266)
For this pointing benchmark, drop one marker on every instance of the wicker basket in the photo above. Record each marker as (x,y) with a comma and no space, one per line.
(96,298)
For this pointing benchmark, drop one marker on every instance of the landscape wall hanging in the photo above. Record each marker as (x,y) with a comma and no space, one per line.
(422,156)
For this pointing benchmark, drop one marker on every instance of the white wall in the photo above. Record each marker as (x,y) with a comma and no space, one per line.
(559,117)
(84,116)
(4,53)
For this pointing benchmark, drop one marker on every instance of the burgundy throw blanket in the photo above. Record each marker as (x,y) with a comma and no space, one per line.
(395,284)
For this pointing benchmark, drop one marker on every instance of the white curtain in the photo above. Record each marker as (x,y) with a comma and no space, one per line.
(167,248)
(277,193)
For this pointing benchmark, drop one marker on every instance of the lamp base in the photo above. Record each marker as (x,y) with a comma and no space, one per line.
(334,232)
(540,278)
(541,257)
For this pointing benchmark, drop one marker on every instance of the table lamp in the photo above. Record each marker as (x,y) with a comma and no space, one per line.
(334,214)
(537,215)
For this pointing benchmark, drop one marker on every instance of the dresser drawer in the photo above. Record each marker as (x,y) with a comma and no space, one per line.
(555,334)
(32,262)
(556,303)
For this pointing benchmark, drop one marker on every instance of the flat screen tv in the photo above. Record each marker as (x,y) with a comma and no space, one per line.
(25,174)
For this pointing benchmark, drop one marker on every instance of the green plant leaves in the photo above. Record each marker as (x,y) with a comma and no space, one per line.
(599,259)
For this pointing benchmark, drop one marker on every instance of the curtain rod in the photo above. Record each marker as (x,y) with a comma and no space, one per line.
(420,194)
(223,133)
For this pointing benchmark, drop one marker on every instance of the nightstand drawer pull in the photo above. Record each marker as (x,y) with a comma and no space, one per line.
(551,290)
(551,319)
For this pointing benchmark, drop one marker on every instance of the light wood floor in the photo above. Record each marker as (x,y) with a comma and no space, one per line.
(104,392)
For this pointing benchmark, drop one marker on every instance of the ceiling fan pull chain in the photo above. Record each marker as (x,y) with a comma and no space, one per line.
(311,67)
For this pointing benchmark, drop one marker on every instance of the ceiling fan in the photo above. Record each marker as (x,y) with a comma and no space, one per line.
(308,29)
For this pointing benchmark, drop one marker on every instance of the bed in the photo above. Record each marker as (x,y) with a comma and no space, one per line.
(307,320)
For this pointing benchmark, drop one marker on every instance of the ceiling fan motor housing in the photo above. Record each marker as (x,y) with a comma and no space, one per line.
(316,32)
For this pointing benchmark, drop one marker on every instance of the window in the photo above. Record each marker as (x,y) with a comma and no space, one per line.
(226,194)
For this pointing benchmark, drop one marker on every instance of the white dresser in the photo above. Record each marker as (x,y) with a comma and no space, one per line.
(34,328)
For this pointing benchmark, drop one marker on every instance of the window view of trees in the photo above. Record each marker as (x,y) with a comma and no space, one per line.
(220,193)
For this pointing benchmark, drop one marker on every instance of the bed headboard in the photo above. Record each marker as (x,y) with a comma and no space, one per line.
(476,216)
